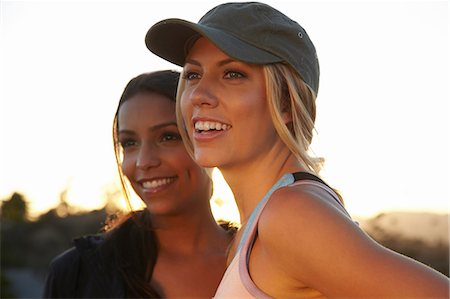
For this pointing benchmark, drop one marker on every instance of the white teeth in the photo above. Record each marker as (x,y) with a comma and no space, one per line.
(157,183)
(210,125)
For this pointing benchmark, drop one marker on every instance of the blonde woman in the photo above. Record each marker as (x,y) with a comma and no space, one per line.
(246,104)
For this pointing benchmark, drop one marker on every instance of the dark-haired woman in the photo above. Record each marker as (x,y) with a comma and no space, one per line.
(172,249)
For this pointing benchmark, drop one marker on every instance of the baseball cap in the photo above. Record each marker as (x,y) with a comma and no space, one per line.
(251,32)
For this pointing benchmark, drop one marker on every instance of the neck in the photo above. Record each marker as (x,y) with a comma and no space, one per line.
(189,233)
(250,182)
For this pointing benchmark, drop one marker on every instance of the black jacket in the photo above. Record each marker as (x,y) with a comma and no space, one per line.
(97,266)
(84,271)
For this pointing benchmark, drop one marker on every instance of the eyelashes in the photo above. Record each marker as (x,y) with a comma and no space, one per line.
(166,138)
(234,75)
(126,143)
(228,74)
(188,76)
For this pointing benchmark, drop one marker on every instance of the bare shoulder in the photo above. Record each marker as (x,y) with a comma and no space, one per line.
(301,226)
(302,223)
(305,235)
(303,208)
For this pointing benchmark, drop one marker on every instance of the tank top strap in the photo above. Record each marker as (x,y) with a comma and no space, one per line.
(285,180)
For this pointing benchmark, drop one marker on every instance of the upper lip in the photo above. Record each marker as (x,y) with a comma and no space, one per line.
(207,119)
(142,180)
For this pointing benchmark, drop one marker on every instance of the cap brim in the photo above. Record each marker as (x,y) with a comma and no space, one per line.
(171,39)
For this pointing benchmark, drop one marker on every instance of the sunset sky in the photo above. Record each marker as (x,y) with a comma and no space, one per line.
(383,104)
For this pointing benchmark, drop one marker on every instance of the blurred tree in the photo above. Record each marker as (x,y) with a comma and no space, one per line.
(5,289)
(63,208)
(14,227)
(15,209)
(435,255)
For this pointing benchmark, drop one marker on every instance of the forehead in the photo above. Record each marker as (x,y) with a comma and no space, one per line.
(147,107)
(205,54)
(203,45)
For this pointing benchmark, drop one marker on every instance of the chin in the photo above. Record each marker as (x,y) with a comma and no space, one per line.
(162,210)
(206,160)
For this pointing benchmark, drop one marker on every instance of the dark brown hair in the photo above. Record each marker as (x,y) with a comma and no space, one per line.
(130,240)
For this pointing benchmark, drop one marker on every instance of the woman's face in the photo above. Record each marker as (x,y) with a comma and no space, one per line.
(155,160)
(225,109)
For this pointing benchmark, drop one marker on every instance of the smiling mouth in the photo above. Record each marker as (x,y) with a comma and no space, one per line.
(157,183)
(207,126)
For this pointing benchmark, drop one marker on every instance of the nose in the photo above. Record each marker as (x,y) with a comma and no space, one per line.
(204,93)
(148,157)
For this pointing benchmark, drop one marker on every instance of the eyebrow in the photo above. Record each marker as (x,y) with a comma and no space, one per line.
(153,128)
(220,63)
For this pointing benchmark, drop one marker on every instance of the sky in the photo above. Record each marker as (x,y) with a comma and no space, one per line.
(382,109)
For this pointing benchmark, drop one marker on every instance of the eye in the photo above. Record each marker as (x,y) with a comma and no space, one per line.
(126,143)
(168,137)
(190,75)
(234,75)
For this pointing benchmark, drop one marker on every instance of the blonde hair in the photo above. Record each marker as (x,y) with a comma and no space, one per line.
(180,120)
(286,92)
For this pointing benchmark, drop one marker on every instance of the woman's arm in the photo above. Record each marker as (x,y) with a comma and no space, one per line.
(307,237)
(62,275)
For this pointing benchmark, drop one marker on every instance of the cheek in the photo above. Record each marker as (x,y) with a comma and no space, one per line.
(199,181)
(260,101)
(128,166)
(253,106)
(181,160)
(187,167)
(185,105)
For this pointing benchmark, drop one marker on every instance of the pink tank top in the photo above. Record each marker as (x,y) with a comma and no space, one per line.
(236,282)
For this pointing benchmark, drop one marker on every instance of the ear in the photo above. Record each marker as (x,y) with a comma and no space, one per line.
(286,116)
(286,110)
